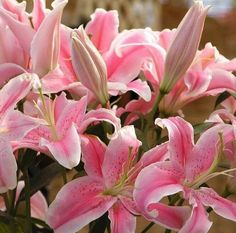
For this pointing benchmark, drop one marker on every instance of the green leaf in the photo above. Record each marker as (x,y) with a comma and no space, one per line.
(27,159)
(223,96)
(100,224)
(199,128)
(7,228)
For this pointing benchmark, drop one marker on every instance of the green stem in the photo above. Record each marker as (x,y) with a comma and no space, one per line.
(27,198)
(150,119)
(13,200)
(149,226)
(167,231)
(6,201)
(64,177)
(155,109)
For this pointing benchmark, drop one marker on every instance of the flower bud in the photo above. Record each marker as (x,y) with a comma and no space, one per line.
(184,45)
(89,65)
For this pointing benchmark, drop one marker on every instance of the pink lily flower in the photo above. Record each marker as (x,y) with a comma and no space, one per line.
(108,185)
(125,54)
(41,46)
(189,166)
(38,203)
(210,74)
(62,123)
(13,127)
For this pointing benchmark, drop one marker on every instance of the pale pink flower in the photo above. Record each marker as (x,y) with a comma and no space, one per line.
(40,44)
(62,122)
(13,127)
(189,166)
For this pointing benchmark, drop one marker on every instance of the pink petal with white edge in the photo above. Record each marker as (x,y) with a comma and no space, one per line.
(39,206)
(10,50)
(103,28)
(221,80)
(198,221)
(155,182)
(206,150)
(78,203)
(156,154)
(93,150)
(122,221)
(171,217)
(22,31)
(8,71)
(8,167)
(46,43)
(127,54)
(67,150)
(197,82)
(101,114)
(15,90)
(18,9)
(141,88)
(73,112)
(17,125)
(180,139)
(222,206)
(119,154)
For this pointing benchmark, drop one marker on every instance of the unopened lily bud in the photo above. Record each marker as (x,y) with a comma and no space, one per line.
(89,65)
(184,45)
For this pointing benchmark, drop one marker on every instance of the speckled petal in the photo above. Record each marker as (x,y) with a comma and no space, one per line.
(122,221)
(77,204)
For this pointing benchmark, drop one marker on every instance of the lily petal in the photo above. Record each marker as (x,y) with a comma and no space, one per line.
(8,167)
(101,114)
(46,43)
(67,150)
(198,221)
(15,90)
(222,206)
(122,221)
(171,217)
(120,153)
(180,139)
(206,150)
(73,112)
(93,150)
(38,13)
(17,125)
(8,71)
(155,182)
(77,204)
(22,31)
(103,28)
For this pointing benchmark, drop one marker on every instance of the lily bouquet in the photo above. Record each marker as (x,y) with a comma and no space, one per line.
(107,105)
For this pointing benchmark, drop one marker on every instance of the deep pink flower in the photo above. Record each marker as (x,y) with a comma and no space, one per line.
(108,186)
